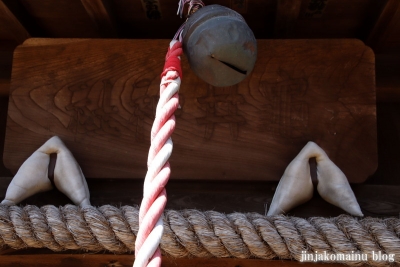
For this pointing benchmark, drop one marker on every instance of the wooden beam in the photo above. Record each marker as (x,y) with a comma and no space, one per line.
(384,37)
(387,78)
(387,69)
(287,13)
(99,15)
(315,8)
(9,21)
(107,260)
(4,87)
(375,200)
(117,101)
(386,93)
(6,55)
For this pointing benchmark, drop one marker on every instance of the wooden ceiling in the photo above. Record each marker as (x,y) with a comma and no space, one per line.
(376,22)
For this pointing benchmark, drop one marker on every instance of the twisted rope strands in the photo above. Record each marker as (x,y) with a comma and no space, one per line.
(192,233)
(151,227)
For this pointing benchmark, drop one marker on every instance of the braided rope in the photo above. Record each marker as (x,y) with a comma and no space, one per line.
(151,228)
(192,233)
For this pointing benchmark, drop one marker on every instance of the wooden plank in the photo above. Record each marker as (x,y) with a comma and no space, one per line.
(385,37)
(108,260)
(387,82)
(286,16)
(99,96)
(11,28)
(99,14)
(387,69)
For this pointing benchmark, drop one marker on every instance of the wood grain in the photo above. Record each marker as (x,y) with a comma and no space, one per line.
(99,96)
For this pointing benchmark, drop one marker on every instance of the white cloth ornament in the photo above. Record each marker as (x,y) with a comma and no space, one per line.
(296,188)
(32,176)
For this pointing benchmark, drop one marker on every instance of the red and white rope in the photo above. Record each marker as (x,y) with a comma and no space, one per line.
(147,251)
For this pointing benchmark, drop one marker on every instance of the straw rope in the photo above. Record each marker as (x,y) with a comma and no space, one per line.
(192,233)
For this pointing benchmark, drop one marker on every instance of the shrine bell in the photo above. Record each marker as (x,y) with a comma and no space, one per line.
(220,47)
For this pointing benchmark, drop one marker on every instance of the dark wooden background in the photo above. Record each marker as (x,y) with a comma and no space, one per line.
(375,22)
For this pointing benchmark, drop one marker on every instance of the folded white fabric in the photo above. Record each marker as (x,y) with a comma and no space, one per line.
(32,176)
(295,186)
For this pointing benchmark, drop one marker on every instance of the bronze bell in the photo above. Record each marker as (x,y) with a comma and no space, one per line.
(220,47)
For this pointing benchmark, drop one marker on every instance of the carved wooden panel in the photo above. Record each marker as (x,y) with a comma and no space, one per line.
(99,96)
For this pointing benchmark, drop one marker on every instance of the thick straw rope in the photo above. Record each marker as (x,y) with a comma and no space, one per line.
(192,233)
